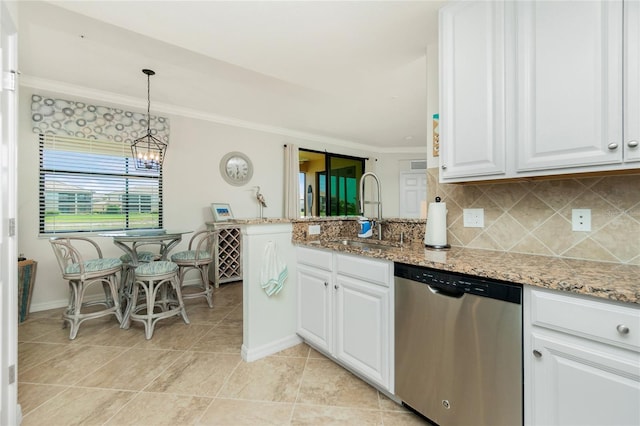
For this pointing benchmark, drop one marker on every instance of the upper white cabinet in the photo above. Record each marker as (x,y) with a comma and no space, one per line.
(631,142)
(570,75)
(472,89)
(568,84)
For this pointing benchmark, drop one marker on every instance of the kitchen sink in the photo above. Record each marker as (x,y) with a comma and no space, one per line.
(367,245)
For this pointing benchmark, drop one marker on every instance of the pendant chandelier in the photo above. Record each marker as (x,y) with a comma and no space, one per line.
(148,151)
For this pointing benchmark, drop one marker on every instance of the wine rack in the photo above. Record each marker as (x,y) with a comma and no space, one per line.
(227,265)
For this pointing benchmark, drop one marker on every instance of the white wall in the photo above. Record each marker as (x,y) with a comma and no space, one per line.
(388,168)
(191,182)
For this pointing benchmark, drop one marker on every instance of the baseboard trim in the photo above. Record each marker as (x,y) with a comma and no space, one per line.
(45,306)
(250,355)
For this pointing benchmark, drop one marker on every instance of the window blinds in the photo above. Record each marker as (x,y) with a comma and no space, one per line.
(89,185)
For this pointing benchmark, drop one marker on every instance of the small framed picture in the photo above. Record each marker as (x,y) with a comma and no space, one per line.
(221,212)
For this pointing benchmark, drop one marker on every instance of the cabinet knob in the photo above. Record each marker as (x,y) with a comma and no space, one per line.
(444,167)
(335,286)
(326,284)
(622,329)
(632,144)
(537,353)
(612,146)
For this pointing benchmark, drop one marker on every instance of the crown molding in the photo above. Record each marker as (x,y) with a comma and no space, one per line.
(119,100)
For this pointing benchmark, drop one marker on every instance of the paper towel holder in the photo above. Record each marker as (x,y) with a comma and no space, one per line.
(436,245)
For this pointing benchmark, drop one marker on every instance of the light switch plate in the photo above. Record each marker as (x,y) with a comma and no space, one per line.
(314,229)
(581,220)
(473,218)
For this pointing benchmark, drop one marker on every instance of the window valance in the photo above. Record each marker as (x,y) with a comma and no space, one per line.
(85,120)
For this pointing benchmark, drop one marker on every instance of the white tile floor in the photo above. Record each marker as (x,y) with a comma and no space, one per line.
(185,375)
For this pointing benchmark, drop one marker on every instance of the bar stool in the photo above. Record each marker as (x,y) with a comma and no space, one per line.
(198,256)
(126,277)
(83,273)
(159,282)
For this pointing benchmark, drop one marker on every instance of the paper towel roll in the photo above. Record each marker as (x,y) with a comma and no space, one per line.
(436,232)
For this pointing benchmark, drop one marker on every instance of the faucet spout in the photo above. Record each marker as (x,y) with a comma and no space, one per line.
(378,202)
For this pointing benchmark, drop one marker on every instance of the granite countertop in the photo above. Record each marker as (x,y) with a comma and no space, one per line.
(611,281)
(251,221)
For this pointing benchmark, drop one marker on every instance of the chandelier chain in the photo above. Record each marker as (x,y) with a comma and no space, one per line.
(148,103)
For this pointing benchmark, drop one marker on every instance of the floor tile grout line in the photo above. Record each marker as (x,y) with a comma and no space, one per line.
(64,388)
(216,396)
(133,398)
(304,369)
(163,371)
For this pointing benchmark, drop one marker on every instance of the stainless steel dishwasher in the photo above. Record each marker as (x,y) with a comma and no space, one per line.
(458,347)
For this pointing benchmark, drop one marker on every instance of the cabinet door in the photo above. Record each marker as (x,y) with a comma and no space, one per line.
(472,89)
(578,382)
(632,82)
(569,84)
(362,328)
(314,306)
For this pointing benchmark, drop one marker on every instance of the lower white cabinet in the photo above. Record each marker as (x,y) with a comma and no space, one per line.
(345,311)
(315,307)
(582,360)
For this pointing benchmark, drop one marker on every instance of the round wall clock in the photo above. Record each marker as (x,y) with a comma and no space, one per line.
(236,168)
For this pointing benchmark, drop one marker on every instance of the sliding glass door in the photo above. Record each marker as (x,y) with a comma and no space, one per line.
(335,182)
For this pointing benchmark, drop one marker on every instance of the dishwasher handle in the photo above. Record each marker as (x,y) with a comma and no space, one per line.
(447,292)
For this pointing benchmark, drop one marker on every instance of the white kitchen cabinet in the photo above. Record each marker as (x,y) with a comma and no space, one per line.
(364,316)
(472,89)
(346,312)
(631,142)
(315,280)
(582,360)
(570,76)
(568,84)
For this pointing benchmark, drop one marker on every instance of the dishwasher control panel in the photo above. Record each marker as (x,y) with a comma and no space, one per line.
(456,284)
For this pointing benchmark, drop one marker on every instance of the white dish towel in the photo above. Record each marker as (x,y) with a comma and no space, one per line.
(274,271)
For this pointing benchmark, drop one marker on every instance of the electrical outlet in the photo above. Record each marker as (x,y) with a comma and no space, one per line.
(314,229)
(473,218)
(581,220)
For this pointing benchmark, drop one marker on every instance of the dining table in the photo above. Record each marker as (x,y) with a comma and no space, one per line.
(131,241)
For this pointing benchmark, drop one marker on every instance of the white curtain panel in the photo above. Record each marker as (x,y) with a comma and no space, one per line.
(291,172)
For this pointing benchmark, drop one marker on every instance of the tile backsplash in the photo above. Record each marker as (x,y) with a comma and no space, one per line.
(534,217)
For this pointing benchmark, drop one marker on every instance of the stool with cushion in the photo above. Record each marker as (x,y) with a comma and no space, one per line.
(82,273)
(127,271)
(199,256)
(161,296)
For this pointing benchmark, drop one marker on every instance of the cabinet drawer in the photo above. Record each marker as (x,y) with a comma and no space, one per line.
(314,257)
(601,321)
(373,271)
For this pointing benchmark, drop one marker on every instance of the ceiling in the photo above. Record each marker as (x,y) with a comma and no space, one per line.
(352,71)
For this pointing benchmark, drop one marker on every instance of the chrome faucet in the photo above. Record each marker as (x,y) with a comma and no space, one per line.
(378,202)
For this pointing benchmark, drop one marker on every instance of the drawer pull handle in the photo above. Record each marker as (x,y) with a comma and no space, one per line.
(612,146)
(622,329)
(537,353)
(632,144)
